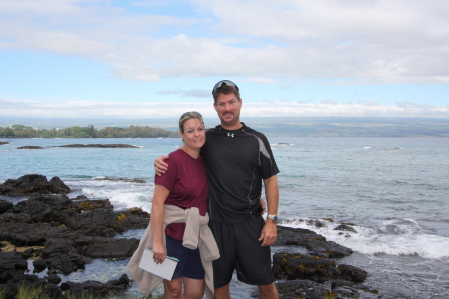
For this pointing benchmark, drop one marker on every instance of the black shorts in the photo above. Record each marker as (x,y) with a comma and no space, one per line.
(240,249)
(189,264)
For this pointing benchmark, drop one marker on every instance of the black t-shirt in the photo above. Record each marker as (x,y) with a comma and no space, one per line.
(236,163)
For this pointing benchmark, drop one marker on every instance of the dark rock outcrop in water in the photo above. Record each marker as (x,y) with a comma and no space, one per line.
(33,184)
(100,145)
(62,236)
(118,145)
(301,266)
(316,274)
(30,147)
(4,142)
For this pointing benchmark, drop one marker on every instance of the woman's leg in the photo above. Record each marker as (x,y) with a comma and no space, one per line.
(173,289)
(193,288)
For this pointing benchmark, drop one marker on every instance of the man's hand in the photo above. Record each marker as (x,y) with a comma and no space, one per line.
(160,166)
(269,233)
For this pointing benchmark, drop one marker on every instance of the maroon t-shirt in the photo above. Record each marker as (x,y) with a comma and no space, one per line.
(186,180)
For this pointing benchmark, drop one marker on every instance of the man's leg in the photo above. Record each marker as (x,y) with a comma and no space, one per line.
(253,260)
(268,291)
(222,293)
(224,266)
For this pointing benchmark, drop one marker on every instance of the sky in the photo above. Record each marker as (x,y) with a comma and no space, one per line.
(145,59)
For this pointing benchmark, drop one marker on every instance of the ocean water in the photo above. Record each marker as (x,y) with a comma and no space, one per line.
(395,191)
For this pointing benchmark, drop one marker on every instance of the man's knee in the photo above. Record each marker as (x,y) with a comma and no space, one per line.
(222,293)
(268,291)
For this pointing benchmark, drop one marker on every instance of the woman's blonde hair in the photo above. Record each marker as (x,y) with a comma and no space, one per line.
(188,115)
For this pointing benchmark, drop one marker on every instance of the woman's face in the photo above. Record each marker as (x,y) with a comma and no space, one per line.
(194,134)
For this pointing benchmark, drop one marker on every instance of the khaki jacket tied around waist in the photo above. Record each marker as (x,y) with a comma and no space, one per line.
(197,235)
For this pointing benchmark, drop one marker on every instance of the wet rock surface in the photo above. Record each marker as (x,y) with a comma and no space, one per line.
(318,273)
(62,236)
(33,184)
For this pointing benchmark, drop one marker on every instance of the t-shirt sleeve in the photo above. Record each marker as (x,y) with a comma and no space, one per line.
(168,179)
(268,164)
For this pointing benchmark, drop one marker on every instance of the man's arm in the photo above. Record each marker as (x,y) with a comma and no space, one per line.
(160,166)
(269,231)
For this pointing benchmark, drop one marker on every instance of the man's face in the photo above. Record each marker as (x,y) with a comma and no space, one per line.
(228,109)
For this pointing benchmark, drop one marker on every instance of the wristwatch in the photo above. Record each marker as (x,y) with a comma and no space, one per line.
(274,218)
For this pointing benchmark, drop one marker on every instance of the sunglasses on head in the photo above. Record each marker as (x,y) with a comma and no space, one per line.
(190,112)
(224,82)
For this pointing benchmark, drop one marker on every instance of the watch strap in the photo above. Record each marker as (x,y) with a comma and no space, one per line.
(273,217)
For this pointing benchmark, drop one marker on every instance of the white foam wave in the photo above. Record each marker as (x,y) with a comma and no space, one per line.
(393,236)
(121,194)
(132,199)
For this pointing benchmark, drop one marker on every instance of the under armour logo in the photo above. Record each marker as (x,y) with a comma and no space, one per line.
(230,135)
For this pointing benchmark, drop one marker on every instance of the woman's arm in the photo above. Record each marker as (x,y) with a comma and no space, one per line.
(157,221)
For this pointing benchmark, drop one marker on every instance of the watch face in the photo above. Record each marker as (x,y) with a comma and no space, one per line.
(274,218)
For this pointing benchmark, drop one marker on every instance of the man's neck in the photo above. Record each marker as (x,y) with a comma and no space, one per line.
(232,127)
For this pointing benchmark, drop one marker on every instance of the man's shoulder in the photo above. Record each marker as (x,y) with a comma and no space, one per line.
(213,130)
(252,131)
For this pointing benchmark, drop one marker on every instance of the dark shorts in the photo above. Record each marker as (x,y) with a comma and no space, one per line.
(189,264)
(240,249)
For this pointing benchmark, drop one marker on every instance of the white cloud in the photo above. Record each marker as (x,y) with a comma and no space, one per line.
(195,93)
(383,41)
(100,110)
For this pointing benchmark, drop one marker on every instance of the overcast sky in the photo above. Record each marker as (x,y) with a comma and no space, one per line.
(160,58)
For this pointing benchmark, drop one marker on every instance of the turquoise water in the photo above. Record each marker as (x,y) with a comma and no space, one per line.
(395,190)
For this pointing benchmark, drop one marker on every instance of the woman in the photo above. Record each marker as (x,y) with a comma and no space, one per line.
(185,186)
(182,187)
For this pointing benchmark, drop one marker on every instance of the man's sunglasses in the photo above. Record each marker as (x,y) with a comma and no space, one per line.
(224,82)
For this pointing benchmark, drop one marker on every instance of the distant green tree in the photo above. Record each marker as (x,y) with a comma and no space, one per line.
(20,131)
(8,132)
(18,127)
(91,130)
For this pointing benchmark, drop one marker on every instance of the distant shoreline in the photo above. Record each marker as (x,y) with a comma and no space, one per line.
(334,127)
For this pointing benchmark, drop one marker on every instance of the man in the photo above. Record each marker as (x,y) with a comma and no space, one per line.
(238,159)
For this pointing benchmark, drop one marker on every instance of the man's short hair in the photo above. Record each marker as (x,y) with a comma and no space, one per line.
(226,89)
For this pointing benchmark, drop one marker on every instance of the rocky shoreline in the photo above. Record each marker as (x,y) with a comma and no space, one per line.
(61,235)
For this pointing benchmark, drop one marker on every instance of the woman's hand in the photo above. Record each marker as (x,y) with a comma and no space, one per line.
(159,253)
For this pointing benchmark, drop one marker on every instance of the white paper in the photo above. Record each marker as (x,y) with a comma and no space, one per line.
(164,270)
